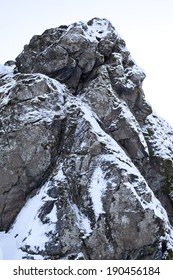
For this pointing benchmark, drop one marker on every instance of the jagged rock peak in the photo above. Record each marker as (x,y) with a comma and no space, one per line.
(70,54)
(83,159)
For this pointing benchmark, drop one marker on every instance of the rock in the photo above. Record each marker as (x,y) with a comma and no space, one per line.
(30,129)
(82,156)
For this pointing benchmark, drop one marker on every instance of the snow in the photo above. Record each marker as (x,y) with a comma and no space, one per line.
(40,115)
(109,142)
(8,247)
(115,152)
(60,175)
(154,205)
(6,70)
(82,222)
(160,135)
(136,71)
(28,229)
(98,30)
(139,187)
(125,113)
(5,101)
(47,110)
(97,189)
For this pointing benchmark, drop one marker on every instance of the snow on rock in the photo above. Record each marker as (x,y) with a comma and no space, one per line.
(97,189)
(82,222)
(29,234)
(6,70)
(83,160)
(160,136)
(7,81)
(28,230)
(139,187)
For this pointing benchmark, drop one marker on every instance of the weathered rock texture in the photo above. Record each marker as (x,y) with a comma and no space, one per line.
(80,144)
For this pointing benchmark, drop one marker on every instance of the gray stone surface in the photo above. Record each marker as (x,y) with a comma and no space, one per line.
(80,144)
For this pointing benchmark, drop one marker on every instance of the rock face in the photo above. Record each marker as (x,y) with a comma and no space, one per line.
(85,165)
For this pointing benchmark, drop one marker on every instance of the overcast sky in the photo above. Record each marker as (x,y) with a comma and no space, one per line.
(145,25)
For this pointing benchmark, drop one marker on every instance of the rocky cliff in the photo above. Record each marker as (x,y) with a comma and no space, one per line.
(85,165)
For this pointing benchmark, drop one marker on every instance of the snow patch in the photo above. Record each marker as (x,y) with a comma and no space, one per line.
(98,29)
(97,189)
(6,70)
(125,113)
(28,229)
(83,222)
(160,135)
(60,175)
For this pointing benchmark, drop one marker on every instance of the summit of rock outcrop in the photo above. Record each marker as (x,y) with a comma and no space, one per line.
(85,164)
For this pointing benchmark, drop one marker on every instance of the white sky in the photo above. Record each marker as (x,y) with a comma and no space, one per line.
(145,25)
